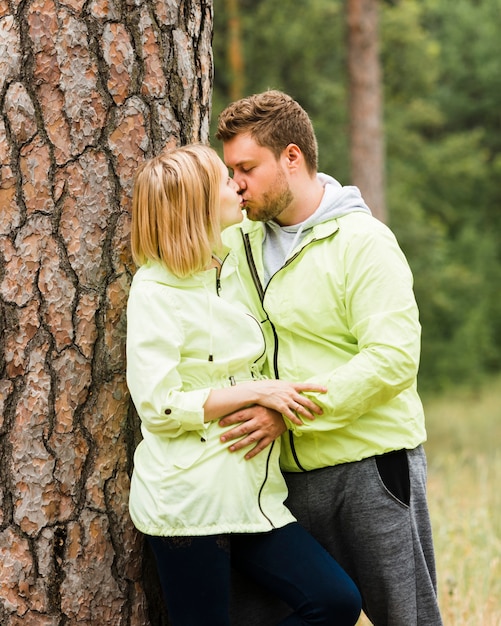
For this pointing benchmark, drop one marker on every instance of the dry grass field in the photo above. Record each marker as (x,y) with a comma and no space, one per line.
(464,489)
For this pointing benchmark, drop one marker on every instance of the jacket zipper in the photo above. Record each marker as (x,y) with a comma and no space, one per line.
(261,291)
(233,382)
(263,484)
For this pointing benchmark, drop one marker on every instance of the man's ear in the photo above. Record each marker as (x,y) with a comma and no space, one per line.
(293,156)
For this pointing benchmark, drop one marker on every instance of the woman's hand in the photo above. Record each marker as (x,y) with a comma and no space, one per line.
(262,422)
(279,395)
(286,397)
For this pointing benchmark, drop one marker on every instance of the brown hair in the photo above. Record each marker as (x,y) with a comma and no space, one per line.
(274,120)
(175,216)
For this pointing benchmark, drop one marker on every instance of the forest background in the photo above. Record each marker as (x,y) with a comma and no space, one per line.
(441,74)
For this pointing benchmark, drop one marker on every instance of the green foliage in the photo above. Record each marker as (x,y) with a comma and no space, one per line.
(442,89)
(442,160)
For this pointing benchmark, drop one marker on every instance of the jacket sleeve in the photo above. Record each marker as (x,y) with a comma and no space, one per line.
(382,326)
(155,339)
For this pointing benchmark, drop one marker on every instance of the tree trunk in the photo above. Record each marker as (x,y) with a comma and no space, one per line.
(365,106)
(88,89)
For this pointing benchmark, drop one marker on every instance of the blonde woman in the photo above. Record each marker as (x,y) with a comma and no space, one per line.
(192,358)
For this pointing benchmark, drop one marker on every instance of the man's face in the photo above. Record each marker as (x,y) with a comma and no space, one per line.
(261,178)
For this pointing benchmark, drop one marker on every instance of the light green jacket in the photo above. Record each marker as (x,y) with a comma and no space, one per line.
(182,341)
(340,312)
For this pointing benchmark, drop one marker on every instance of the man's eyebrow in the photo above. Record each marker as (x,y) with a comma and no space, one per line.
(242,162)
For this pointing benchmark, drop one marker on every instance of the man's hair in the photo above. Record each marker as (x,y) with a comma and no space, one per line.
(274,120)
(175,209)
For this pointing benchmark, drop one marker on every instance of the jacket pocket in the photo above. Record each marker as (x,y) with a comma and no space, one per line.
(187,449)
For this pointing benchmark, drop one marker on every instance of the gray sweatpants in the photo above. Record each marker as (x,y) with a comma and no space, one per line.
(372,516)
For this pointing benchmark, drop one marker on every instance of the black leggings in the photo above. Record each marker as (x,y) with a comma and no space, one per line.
(195,577)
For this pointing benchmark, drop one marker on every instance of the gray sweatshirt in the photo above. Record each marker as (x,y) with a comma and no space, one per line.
(280,241)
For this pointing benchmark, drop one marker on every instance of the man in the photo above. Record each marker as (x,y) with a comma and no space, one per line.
(334,293)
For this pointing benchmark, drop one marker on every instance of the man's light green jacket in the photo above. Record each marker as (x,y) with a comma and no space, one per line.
(341,312)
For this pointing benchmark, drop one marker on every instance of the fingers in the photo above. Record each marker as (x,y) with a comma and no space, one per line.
(235,433)
(238,417)
(247,441)
(292,413)
(293,417)
(304,407)
(254,432)
(264,443)
(263,440)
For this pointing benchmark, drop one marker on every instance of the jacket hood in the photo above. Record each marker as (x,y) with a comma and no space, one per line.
(157,272)
(280,241)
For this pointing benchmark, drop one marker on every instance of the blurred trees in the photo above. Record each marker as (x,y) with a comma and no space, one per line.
(442,88)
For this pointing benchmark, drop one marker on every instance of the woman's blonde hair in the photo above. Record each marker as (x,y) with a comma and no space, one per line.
(175,216)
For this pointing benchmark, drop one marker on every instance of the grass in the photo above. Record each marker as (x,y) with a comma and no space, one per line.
(464,474)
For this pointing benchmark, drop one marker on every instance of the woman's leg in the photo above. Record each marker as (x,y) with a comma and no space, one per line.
(195,577)
(294,566)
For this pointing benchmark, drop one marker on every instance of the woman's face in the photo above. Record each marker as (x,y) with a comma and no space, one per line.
(230,202)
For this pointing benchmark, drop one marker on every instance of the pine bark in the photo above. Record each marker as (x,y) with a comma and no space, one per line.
(367,154)
(88,90)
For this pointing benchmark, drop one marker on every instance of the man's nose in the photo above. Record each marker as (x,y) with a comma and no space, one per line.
(240,181)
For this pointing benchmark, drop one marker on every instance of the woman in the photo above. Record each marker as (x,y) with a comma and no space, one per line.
(192,358)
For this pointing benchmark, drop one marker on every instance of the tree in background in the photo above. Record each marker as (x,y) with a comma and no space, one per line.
(234,51)
(88,89)
(366,135)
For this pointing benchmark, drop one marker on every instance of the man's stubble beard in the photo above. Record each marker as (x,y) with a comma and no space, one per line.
(274,201)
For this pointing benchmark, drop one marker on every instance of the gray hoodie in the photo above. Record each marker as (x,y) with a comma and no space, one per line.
(280,241)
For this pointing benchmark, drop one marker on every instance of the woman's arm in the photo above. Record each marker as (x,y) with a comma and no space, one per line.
(282,396)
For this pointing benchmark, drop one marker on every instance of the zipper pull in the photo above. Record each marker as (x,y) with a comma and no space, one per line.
(218,285)
(232,381)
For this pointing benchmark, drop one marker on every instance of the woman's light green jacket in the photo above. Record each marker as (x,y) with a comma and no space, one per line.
(182,341)
(341,312)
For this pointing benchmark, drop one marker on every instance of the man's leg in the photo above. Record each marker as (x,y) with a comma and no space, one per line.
(359,513)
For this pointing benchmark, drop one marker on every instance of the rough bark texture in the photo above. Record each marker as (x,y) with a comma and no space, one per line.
(366,116)
(88,89)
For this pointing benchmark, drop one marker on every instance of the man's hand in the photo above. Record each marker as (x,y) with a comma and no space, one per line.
(255,424)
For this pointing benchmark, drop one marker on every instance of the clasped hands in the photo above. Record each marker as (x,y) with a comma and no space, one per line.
(261,425)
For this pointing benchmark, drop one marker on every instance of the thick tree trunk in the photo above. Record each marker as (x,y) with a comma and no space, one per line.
(365,106)
(88,89)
